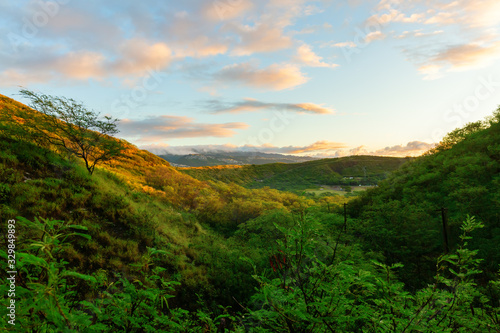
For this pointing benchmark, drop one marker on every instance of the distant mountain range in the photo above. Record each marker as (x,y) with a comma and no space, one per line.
(231,158)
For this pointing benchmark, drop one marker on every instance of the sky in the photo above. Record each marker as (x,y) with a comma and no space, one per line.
(320,77)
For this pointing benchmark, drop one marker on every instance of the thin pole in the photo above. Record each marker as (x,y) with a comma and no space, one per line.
(345,216)
(445,229)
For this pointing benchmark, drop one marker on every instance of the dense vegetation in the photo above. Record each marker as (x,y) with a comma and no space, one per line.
(402,217)
(140,247)
(352,170)
(214,158)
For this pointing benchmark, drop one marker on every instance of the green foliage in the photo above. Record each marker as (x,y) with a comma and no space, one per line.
(401,217)
(146,248)
(316,290)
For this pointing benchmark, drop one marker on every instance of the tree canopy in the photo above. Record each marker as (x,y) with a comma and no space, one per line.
(68,124)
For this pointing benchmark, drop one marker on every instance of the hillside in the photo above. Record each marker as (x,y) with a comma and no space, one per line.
(229,158)
(402,217)
(352,170)
(138,246)
(132,204)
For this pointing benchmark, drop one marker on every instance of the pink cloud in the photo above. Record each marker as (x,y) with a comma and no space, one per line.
(250,105)
(260,38)
(307,57)
(275,77)
(157,129)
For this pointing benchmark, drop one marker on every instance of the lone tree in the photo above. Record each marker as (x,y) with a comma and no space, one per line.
(69,125)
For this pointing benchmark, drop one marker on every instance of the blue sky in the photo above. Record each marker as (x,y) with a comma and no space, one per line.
(322,78)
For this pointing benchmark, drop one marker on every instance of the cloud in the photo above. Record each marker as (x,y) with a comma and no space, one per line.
(250,105)
(413,148)
(275,77)
(138,55)
(361,150)
(443,18)
(394,16)
(307,57)
(320,149)
(349,44)
(11,78)
(374,35)
(260,38)
(81,66)
(418,33)
(135,59)
(468,55)
(314,28)
(199,47)
(318,146)
(469,40)
(430,71)
(157,129)
(460,57)
(467,13)
(125,39)
(222,10)
(163,148)
(24,69)
(282,12)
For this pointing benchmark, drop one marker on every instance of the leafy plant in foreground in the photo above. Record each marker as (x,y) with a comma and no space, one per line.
(317,291)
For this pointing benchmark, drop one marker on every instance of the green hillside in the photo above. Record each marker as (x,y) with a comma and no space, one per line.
(402,217)
(352,170)
(130,205)
(214,158)
(137,246)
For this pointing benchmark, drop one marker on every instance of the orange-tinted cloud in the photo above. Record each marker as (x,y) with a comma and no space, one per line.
(135,59)
(156,129)
(222,10)
(349,44)
(82,65)
(468,13)
(199,47)
(418,33)
(413,148)
(249,105)
(323,146)
(430,71)
(138,55)
(374,35)
(469,55)
(307,57)
(259,38)
(317,146)
(275,77)
(320,149)
(14,78)
(73,65)
(395,16)
(460,57)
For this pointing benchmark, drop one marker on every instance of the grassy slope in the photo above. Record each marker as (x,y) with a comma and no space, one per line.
(133,202)
(302,175)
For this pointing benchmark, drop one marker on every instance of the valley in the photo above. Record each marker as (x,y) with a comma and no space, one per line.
(137,245)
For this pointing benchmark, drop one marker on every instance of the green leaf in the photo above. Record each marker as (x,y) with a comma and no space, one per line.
(83,235)
(29,259)
(80,276)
